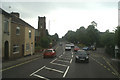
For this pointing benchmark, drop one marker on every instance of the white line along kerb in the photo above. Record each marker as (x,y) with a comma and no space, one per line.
(37,70)
(66,71)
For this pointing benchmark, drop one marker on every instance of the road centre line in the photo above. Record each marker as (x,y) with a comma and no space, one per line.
(54,70)
(59,64)
(66,71)
(53,60)
(41,77)
(71,61)
(37,71)
(18,65)
(63,61)
(72,55)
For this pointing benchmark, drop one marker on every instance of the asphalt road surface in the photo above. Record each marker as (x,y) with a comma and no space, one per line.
(63,66)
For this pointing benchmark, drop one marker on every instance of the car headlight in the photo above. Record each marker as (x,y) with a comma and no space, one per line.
(77,57)
(87,57)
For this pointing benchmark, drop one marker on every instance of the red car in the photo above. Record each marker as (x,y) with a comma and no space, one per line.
(49,53)
(76,48)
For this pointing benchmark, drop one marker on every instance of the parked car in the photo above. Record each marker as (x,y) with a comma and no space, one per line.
(49,53)
(81,56)
(67,47)
(85,48)
(76,48)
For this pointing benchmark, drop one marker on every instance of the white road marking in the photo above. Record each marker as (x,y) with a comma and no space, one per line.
(41,77)
(59,64)
(53,60)
(72,55)
(37,70)
(71,61)
(63,52)
(63,61)
(66,71)
(72,52)
(54,70)
(60,56)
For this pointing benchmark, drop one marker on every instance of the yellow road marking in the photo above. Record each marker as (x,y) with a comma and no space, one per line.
(106,67)
(18,65)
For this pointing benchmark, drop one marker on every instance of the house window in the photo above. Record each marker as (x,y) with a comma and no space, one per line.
(27,46)
(15,49)
(30,34)
(17,30)
(6,25)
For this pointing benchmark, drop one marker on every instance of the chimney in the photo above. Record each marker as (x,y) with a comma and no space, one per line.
(16,14)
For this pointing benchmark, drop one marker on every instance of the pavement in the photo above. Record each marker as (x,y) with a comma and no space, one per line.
(113,61)
(6,64)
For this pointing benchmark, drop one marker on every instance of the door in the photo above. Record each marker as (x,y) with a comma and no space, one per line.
(23,50)
(6,50)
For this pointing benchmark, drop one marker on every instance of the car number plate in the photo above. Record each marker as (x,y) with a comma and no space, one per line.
(82,59)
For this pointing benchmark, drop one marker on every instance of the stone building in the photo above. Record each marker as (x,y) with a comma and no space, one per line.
(6,33)
(41,31)
(18,37)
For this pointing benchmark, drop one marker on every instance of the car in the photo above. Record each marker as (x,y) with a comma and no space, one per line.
(76,48)
(72,45)
(81,56)
(67,47)
(60,44)
(85,48)
(49,53)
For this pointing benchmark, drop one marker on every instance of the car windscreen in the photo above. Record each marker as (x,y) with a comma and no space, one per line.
(81,53)
(48,51)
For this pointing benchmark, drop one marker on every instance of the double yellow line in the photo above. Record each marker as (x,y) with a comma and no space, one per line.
(114,73)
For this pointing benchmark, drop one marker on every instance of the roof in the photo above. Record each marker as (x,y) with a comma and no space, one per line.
(20,21)
(15,19)
(4,12)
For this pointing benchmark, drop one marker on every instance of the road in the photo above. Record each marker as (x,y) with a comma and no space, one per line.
(63,66)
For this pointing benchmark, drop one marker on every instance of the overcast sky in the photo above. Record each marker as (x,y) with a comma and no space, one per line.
(66,15)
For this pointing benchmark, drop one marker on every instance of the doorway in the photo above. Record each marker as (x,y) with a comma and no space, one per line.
(6,50)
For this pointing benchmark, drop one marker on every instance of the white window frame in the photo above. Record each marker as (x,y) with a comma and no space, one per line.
(27,45)
(17,28)
(30,34)
(16,46)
